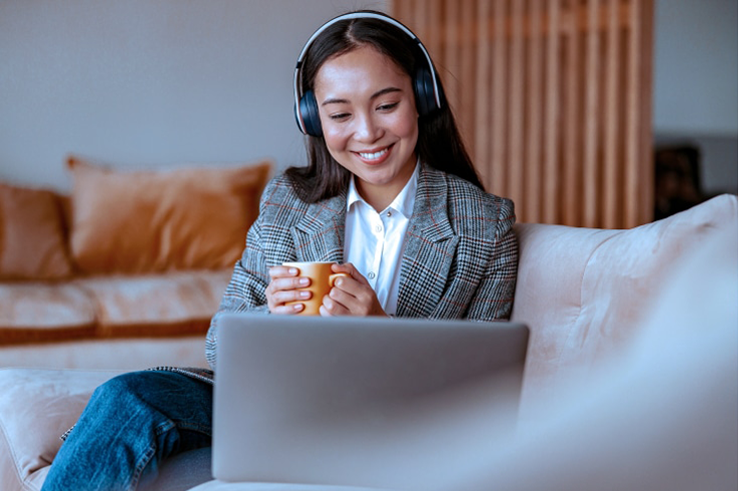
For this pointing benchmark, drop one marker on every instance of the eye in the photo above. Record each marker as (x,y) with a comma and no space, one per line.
(339,116)
(387,107)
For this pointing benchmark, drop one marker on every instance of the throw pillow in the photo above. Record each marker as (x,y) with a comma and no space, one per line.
(159,220)
(32,235)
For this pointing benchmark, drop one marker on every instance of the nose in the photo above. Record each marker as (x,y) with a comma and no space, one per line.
(367,129)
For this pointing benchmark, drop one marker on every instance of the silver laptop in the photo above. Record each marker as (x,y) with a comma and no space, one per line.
(367,402)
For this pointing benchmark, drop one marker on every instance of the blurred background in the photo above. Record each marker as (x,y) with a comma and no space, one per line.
(149,83)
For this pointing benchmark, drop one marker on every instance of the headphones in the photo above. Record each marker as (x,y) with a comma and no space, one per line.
(425,85)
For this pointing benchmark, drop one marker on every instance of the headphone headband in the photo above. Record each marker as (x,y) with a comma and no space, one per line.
(355,15)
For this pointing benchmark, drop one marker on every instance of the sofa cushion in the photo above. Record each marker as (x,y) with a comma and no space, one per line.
(174,304)
(36,407)
(32,235)
(584,291)
(662,415)
(161,220)
(44,312)
(179,303)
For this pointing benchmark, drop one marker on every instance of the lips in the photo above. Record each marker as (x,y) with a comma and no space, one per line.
(374,156)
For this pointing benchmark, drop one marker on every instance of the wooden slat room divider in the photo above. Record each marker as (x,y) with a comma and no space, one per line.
(553,98)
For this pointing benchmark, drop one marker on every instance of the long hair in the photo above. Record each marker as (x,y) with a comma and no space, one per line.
(439,142)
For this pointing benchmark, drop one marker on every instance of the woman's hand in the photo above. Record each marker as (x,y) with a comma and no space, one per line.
(283,287)
(351,295)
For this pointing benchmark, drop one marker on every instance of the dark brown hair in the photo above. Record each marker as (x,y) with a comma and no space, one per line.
(439,142)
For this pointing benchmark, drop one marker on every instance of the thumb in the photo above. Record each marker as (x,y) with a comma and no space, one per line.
(352,271)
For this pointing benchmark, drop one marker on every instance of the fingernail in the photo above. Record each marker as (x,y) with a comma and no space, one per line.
(293,271)
(304,281)
(304,294)
(339,282)
(297,307)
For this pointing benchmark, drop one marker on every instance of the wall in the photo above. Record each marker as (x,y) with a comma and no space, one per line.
(696,84)
(150,82)
(159,82)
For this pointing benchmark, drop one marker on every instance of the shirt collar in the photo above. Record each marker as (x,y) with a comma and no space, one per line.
(403,202)
(353,194)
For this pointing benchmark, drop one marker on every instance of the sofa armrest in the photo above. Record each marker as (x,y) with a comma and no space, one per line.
(584,292)
(36,407)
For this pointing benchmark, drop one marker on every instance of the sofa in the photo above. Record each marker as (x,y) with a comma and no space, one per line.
(631,377)
(126,269)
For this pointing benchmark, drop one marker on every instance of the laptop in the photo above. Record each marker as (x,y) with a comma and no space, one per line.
(366,402)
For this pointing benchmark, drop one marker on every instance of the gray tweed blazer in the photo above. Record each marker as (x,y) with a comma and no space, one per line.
(460,258)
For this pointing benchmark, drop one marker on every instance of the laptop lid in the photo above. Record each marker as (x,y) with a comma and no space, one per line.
(358,401)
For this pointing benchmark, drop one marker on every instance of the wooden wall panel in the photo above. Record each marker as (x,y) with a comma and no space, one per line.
(553,99)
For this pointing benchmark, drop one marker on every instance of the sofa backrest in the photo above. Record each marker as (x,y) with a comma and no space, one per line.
(585,292)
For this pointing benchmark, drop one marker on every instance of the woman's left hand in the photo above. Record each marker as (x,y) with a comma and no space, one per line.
(351,295)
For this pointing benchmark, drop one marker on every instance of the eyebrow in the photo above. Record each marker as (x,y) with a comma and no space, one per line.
(379,93)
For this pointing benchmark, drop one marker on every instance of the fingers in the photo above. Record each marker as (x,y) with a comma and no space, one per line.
(283,287)
(329,310)
(360,300)
(282,271)
(283,279)
(351,295)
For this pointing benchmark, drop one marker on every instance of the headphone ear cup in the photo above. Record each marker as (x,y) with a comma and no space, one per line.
(310,115)
(425,97)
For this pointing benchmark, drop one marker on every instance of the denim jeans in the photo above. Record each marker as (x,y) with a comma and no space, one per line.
(131,424)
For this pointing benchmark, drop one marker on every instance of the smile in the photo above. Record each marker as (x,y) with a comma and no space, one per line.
(374,156)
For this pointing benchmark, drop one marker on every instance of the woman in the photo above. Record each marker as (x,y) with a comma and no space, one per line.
(389,194)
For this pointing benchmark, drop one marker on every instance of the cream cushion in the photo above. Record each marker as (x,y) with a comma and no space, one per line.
(178,304)
(36,407)
(129,306)
(42,311)
(662,414)
(585,292)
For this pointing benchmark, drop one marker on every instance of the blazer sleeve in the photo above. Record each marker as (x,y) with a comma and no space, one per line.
(496,290)
(246,291)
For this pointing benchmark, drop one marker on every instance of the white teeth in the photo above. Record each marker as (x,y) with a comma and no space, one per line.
(373,156)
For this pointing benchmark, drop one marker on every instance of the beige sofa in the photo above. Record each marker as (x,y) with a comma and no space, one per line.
(631,378)
(126,270)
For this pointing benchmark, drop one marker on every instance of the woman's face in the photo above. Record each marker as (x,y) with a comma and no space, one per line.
(370,123)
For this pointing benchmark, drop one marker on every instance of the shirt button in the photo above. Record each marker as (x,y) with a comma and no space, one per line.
(378,228)
(371,276)
(389,213)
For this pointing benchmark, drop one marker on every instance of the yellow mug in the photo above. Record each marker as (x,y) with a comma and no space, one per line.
(322,279)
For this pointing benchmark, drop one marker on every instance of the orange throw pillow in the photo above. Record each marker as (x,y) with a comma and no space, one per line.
(32,235)
(161,220)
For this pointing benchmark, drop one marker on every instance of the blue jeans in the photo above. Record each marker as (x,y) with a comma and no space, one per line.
(131,424)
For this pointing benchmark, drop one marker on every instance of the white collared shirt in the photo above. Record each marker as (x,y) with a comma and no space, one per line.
(374,242)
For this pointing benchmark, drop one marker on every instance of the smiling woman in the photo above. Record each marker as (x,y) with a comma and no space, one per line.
(369,120)
(405,60)
(389,195)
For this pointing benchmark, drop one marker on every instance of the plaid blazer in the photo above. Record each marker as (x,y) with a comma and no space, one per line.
(460,258)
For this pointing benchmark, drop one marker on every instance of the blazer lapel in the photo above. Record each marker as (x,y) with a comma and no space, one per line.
(430,248)
(319,234)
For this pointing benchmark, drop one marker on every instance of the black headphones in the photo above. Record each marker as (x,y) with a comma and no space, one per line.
(425,85)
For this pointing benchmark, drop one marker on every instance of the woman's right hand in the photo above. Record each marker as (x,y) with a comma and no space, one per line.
(283,287)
